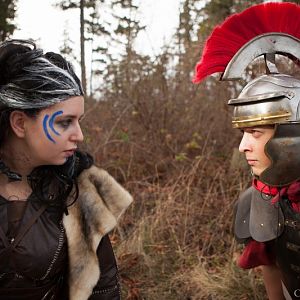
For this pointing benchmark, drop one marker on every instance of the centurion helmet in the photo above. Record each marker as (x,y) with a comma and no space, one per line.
(265,30)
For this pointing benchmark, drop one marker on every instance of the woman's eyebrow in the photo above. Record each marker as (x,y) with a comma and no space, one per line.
(69,116)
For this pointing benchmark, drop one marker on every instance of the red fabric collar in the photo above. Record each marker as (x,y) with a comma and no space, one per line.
(257,253)
(262,187)
(292,191)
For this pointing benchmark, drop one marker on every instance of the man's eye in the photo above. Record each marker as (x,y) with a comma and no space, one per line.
(256,133)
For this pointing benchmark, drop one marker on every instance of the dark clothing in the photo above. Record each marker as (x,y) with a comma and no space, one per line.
(271,231)
(288,249)
(34,255)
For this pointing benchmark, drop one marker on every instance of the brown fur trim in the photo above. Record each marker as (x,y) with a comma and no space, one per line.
(100,203)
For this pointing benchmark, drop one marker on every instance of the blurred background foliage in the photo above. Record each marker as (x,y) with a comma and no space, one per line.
(170,143)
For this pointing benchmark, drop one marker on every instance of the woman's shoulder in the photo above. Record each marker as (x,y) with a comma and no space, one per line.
(99,181)
(100,203)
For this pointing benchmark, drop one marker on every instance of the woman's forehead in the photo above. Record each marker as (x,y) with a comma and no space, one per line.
(73,104)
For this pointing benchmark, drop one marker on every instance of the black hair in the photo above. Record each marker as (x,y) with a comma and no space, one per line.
(31,81)
(53,184)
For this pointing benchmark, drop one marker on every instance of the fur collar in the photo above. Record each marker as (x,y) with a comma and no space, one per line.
(100,203)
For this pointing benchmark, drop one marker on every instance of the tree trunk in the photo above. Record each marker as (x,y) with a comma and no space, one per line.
(82,48)
(7,18)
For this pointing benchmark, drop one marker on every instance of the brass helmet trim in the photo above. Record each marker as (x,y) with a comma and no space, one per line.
(267,100)
(250,121)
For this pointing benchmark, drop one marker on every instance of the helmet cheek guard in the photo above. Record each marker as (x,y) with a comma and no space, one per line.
(284,151)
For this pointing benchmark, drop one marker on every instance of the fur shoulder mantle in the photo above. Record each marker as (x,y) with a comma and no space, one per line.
(100,203)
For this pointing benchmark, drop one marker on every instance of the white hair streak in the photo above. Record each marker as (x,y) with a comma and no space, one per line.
(40,85)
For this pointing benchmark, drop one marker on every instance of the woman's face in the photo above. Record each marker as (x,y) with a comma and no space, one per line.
(53,135)
(253,145)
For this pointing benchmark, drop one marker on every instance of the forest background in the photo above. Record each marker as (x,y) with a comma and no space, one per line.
(170,143)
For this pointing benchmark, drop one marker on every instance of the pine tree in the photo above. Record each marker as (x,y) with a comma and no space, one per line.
(68,46)
(7,16)
(125,33)
(82,5)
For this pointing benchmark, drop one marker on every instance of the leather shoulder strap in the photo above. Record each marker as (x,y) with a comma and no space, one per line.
(27,226)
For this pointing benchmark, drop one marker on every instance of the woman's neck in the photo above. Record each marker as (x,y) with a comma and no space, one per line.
(16,159)
(14,190)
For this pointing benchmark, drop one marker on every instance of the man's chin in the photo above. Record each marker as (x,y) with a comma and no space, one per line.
(256,172)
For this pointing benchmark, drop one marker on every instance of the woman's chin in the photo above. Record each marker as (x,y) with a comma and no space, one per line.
(57,162)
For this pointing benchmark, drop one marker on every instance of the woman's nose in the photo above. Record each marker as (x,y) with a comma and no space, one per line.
(77,136)
(245,144)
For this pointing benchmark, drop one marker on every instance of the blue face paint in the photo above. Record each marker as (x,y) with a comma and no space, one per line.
(51,122)
(46,129)
(60,112)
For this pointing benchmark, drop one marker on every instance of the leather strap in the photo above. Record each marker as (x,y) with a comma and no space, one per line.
(23,231)
(4,238)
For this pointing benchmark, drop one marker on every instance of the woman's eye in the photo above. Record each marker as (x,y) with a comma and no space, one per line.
(65,123)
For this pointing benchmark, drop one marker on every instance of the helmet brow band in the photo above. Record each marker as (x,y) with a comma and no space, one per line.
(263,118)
(244,122)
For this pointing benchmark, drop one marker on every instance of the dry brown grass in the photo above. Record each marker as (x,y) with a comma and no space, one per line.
(181,246)
(225,281)
(175,242)
(170,143)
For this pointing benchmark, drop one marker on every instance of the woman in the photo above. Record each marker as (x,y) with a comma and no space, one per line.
(56,207)
(267,111)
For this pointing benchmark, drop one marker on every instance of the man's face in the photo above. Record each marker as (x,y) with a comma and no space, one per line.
(253,145)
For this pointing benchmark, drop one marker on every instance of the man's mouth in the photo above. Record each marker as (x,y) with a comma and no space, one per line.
(251,162)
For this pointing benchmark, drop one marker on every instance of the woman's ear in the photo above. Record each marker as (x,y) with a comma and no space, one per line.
(17,120)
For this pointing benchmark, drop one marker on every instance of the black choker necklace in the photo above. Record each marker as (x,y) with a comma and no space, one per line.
(12,176)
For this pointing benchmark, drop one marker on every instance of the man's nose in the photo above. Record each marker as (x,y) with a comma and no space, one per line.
(245,144)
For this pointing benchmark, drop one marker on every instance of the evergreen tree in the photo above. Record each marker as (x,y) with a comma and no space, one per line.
(98,34)
(124,35)
(7,16)
(67,48)
(216,11)
(186,33)
(82,5)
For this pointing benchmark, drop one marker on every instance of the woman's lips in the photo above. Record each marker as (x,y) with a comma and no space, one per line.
(69,152)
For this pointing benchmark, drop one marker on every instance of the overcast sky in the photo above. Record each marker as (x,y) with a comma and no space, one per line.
(38,19)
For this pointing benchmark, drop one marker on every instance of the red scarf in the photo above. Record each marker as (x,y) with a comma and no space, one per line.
(258,253)
(292,191)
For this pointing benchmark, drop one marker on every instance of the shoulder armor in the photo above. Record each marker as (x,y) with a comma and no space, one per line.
(257,217)
(242,208)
